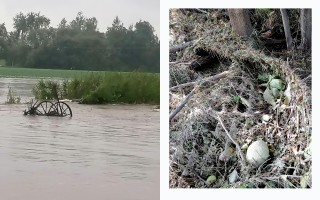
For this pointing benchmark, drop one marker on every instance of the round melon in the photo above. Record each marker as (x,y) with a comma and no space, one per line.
(257,153)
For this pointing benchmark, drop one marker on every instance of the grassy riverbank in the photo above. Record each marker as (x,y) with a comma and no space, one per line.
(108,87)
(32,72)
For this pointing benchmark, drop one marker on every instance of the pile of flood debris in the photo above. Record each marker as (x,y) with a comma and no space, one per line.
(227,92)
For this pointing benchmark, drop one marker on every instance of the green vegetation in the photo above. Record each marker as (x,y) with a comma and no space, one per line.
(264,10)
(49,89)
(11,98)
(111,87)
(78,45)
(2,62)
(31,72)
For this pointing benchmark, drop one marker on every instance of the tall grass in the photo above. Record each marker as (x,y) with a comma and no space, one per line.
(109,87)
(116,87)
(83,85)
(11,98)
(50,89)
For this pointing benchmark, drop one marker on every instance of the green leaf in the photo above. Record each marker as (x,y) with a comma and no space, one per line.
(272,77)
(263,77)
(243,186)
(236,99)
(265,10)
(211,179)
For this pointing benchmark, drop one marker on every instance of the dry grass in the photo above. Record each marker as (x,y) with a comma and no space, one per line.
(197,133)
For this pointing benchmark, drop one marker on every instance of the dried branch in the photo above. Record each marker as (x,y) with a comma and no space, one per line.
(210,78)
(243,161)
(183,85)
(183,103)
(200,10)
(180,47)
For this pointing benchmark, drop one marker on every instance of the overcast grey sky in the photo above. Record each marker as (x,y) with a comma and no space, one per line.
(129,11)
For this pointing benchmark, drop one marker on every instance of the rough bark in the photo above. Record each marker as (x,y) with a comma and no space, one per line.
(240,22)
(305,16)
(286,26)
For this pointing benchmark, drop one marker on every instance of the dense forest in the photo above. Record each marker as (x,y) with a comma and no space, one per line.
(78,44)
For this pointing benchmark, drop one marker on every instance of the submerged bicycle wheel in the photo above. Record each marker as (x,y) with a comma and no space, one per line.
(60,109)
(43,108)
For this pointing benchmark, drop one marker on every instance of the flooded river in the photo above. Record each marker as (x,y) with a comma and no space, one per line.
(102,152)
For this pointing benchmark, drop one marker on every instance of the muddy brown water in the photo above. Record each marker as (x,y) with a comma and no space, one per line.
(102,152)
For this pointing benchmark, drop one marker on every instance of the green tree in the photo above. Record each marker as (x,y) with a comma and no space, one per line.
(91,24)
(148,45)
(3,40)
(24,24)
(79,45)
(115,37)
(63,24)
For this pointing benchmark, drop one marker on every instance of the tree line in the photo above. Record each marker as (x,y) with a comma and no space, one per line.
(79,45)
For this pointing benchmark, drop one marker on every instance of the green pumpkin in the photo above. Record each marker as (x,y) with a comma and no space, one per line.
(277,83)
(275,93)
(268,97)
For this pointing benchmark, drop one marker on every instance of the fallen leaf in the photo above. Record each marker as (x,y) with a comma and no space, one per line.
(233,176)
(307,152)
(304,181)
(287,95)
(266,118)
(245,102)
(294,150)
(267,96)
(227,154)
(244,147)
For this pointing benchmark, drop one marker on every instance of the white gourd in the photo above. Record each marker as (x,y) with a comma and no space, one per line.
(257,153)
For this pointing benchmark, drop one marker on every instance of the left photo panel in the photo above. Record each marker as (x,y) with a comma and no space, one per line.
(80,100)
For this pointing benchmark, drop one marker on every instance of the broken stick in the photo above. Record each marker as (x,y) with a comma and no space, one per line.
(199,82)
(180,47)
(243,161)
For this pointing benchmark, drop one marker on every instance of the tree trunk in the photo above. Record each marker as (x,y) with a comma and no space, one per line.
(305,16)
(240,22)
(286,27)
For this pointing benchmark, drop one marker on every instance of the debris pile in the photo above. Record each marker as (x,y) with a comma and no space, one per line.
(227,92)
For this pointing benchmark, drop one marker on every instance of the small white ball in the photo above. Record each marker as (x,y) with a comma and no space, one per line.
(257,153)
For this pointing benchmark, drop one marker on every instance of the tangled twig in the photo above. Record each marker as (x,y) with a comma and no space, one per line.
(198,84)
(243,161)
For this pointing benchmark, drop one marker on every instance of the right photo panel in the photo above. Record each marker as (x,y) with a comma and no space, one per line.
(240,106)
